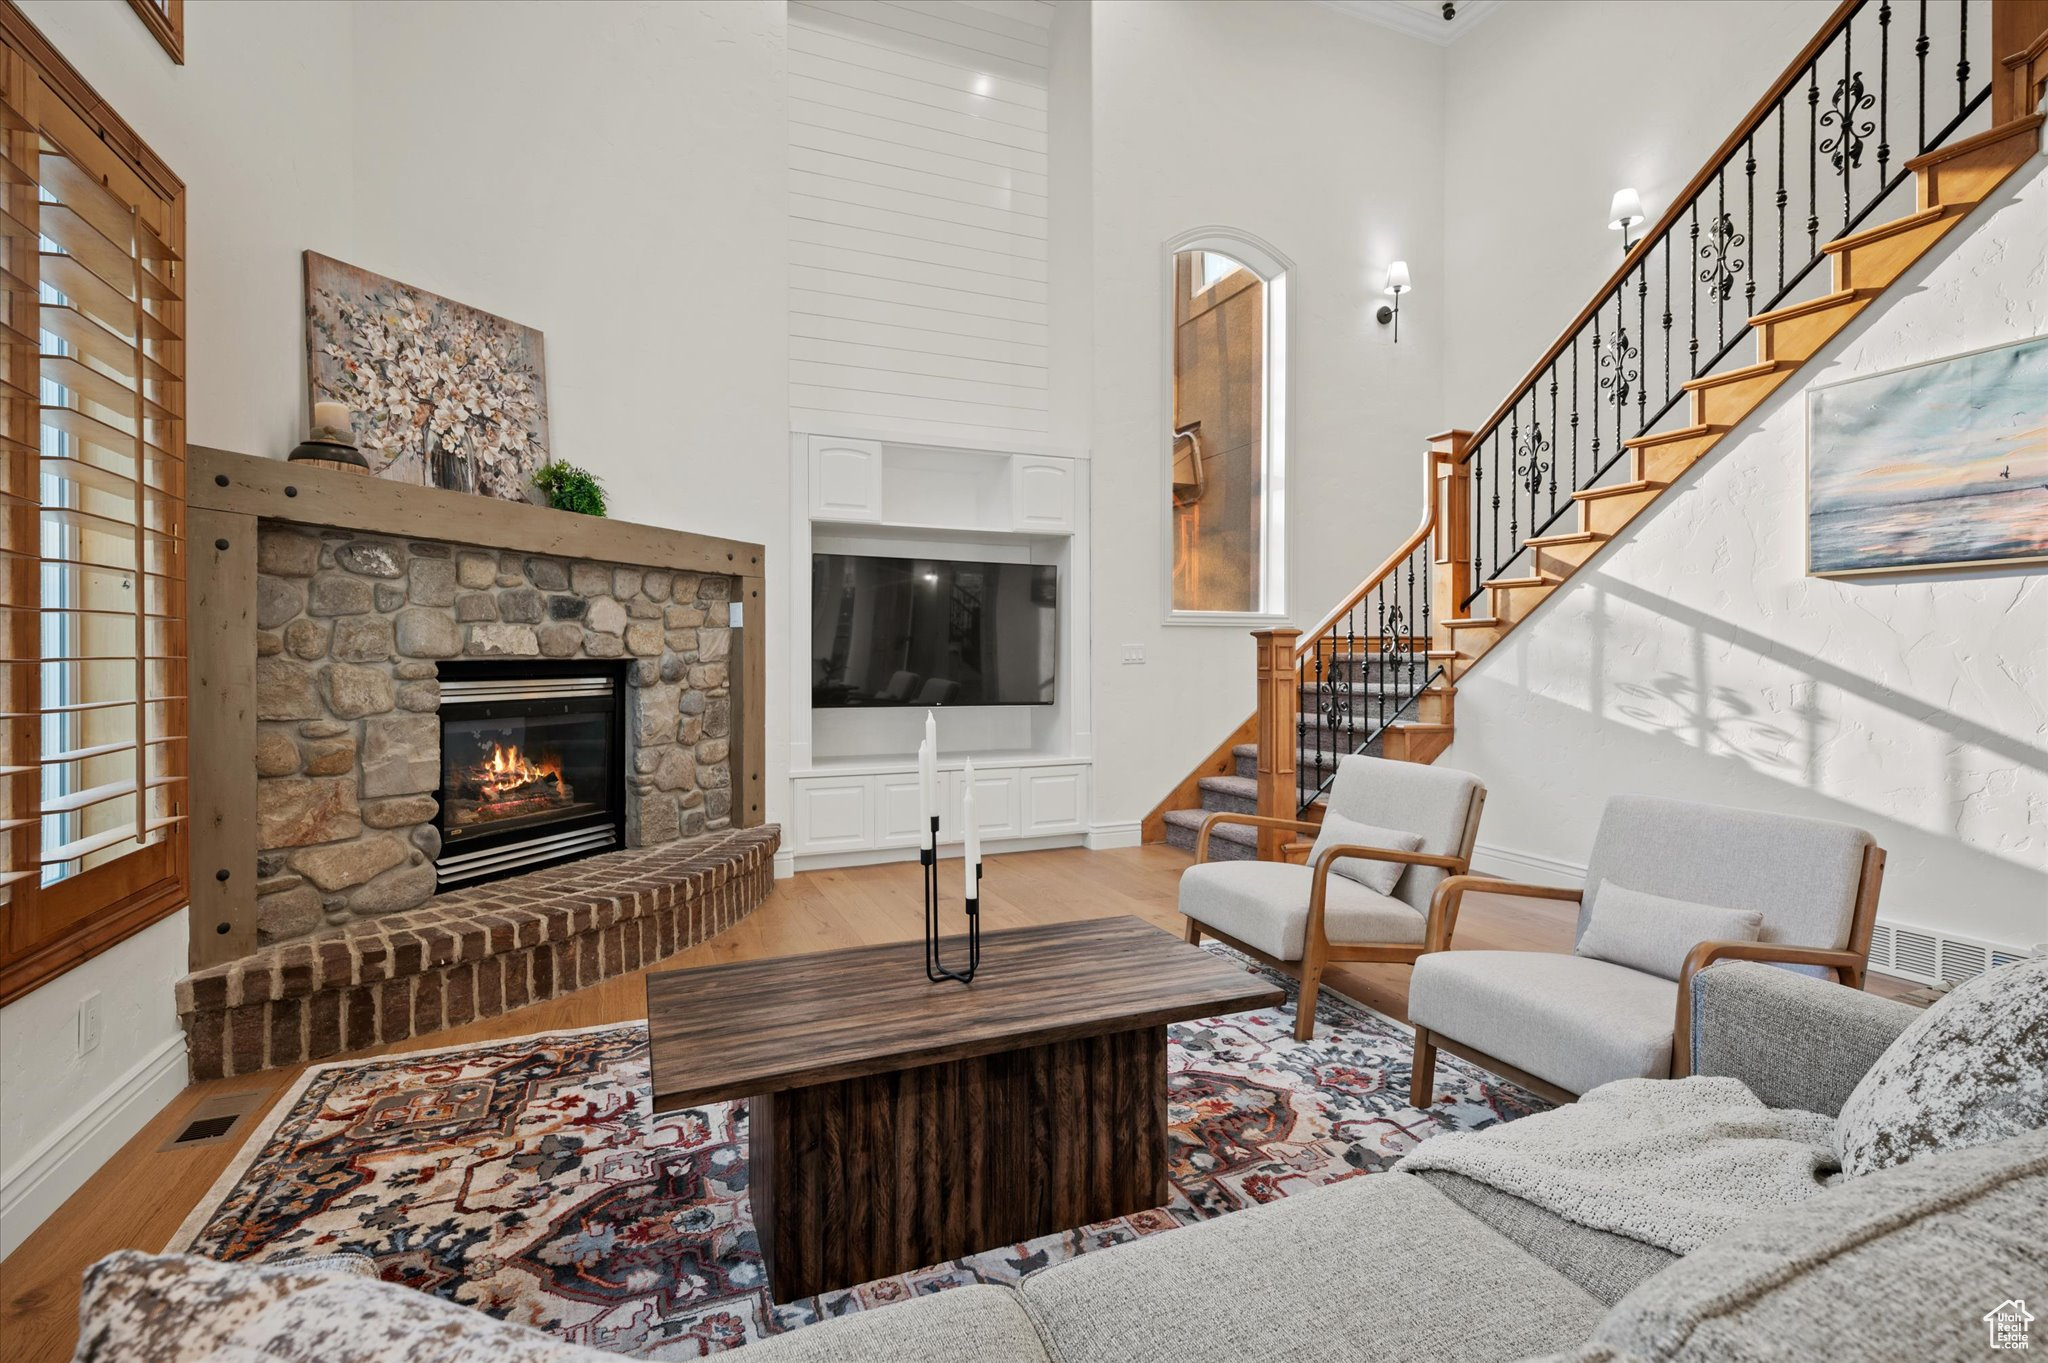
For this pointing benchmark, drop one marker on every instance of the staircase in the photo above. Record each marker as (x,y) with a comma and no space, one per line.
(1644,383)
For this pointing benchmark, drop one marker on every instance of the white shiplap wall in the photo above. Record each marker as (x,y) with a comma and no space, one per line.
(917,154)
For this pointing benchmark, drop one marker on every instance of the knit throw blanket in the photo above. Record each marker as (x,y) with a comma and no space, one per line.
(1669,1162)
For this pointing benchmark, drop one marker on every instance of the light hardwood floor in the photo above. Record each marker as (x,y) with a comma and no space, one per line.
(143,1193)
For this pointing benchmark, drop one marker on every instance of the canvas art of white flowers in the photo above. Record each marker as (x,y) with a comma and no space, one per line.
(441,393)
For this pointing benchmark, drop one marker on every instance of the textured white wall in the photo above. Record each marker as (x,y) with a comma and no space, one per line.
(1320,135)
(1695,659)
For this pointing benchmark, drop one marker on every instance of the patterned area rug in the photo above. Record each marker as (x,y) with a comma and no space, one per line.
(526,1177)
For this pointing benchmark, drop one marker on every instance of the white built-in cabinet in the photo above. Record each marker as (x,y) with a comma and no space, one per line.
(871,810)
(853,778)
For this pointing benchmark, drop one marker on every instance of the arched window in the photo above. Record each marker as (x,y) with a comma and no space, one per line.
(1229,429)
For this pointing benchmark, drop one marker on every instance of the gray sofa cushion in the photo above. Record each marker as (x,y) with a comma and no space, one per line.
(1264,904)
(1373,1270)
(1655,933)
(1430,800)
(1801,874)
(1377,876)
(1901,1264)
(1607,1265)
(175,1308)
(1974,1069)
(1572,1020)
(1796,1042)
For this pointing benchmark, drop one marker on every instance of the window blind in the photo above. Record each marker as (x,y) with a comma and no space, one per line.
(93,767)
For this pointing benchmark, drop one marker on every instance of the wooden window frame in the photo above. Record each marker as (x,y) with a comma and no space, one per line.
(166,22)
(48,930)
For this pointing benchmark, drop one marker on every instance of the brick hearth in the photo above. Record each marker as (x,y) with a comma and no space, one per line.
(471,953)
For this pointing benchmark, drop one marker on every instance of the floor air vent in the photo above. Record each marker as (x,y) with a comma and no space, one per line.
(1932,957)
(214,1119)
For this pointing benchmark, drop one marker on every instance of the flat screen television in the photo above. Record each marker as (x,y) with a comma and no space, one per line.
(929,631)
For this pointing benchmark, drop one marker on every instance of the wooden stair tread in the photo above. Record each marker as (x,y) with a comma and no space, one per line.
(1670,437)
(1839,298)
(1920,217)
(1594,494)
(1511,583)
(1475,622)
(1761,369)
(1571,537)
(1990,137)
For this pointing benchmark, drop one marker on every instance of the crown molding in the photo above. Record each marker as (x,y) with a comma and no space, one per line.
(1417,18)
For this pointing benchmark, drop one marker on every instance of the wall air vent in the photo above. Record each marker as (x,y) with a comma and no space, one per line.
(1934,958)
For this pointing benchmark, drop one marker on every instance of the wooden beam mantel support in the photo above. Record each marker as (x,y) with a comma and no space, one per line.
(229,494)
(1279,726)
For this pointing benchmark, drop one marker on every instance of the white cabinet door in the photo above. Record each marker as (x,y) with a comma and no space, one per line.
(896,809)
(835,814)
(1041,494)
(846,479)
(1055,800)
(998,800)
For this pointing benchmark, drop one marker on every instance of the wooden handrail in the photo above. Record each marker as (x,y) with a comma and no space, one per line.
(1680,202)
(1364,589)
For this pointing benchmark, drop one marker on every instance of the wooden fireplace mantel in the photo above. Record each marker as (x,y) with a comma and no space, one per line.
(228,493)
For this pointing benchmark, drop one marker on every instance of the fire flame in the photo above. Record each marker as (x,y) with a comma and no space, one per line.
(507,770)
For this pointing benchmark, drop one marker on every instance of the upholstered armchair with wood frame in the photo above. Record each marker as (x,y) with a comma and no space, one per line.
(1670,887)
(1390,834)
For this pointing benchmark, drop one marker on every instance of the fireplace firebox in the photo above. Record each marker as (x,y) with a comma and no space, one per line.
(532,766)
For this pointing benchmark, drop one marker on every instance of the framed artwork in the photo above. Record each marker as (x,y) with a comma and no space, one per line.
(441,393)
(1937,465)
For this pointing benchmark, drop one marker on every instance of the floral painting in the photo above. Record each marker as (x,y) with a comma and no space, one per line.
(1943,465)
(441,393)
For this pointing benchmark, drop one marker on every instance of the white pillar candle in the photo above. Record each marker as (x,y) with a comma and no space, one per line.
(333,416)
(970,858)
(924,794)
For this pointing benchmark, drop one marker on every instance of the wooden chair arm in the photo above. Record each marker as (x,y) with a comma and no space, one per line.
(1254,820)
(1330,856)
(1705,954)
(1450,896)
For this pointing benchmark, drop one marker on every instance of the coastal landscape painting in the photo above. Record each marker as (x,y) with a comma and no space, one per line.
(1943,465)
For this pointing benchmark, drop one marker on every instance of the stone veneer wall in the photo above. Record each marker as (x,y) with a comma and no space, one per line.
(349,631)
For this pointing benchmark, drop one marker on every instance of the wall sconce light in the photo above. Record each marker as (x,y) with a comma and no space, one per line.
(1625,213)
(1397,284)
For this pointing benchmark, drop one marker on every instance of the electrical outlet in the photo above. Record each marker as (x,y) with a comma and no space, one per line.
(1134,653)
(89,1024)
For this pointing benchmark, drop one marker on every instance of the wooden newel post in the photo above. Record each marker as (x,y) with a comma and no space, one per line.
(1279,731)
(1450,492)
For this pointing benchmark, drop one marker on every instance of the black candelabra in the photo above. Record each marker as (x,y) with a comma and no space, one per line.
(934,970)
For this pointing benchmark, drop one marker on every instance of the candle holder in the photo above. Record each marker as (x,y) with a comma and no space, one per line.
(934,970)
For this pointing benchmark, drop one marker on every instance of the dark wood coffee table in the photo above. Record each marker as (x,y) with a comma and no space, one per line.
(895,1123)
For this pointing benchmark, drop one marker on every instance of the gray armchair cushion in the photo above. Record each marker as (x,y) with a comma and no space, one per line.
(1378,876)
(1972,1070)
(1654,932)
(1378,1269)
(1572,1020)
(1801,874)
(1796,1042)
(1432,801)
(1900,1264)
(1264,904)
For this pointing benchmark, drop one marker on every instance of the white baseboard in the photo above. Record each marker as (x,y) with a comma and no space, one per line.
(1104,836)
(950,852)
(785,863)
(38,1185)
(1512,864)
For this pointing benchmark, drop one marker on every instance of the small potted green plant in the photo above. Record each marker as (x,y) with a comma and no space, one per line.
(569,488)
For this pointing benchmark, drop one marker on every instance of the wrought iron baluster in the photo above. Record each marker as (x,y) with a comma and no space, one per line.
(1515,497)
(1667,316)
(1963,60)
(1813,160)
(1494,443)
(1884,93)
(1749,210)
(1380,657)
(1783,197)
(1553,437)
(1724,282)
(1599,383)
(1575,413)
(1530,466)
(1642,336)
(1920,47)
(1692,349)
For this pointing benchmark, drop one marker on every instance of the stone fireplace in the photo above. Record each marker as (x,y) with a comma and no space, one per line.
(391,674)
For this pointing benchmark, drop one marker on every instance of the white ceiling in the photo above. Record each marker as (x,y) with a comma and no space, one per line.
(1422,19)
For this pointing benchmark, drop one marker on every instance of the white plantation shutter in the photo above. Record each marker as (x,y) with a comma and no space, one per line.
(92,681)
